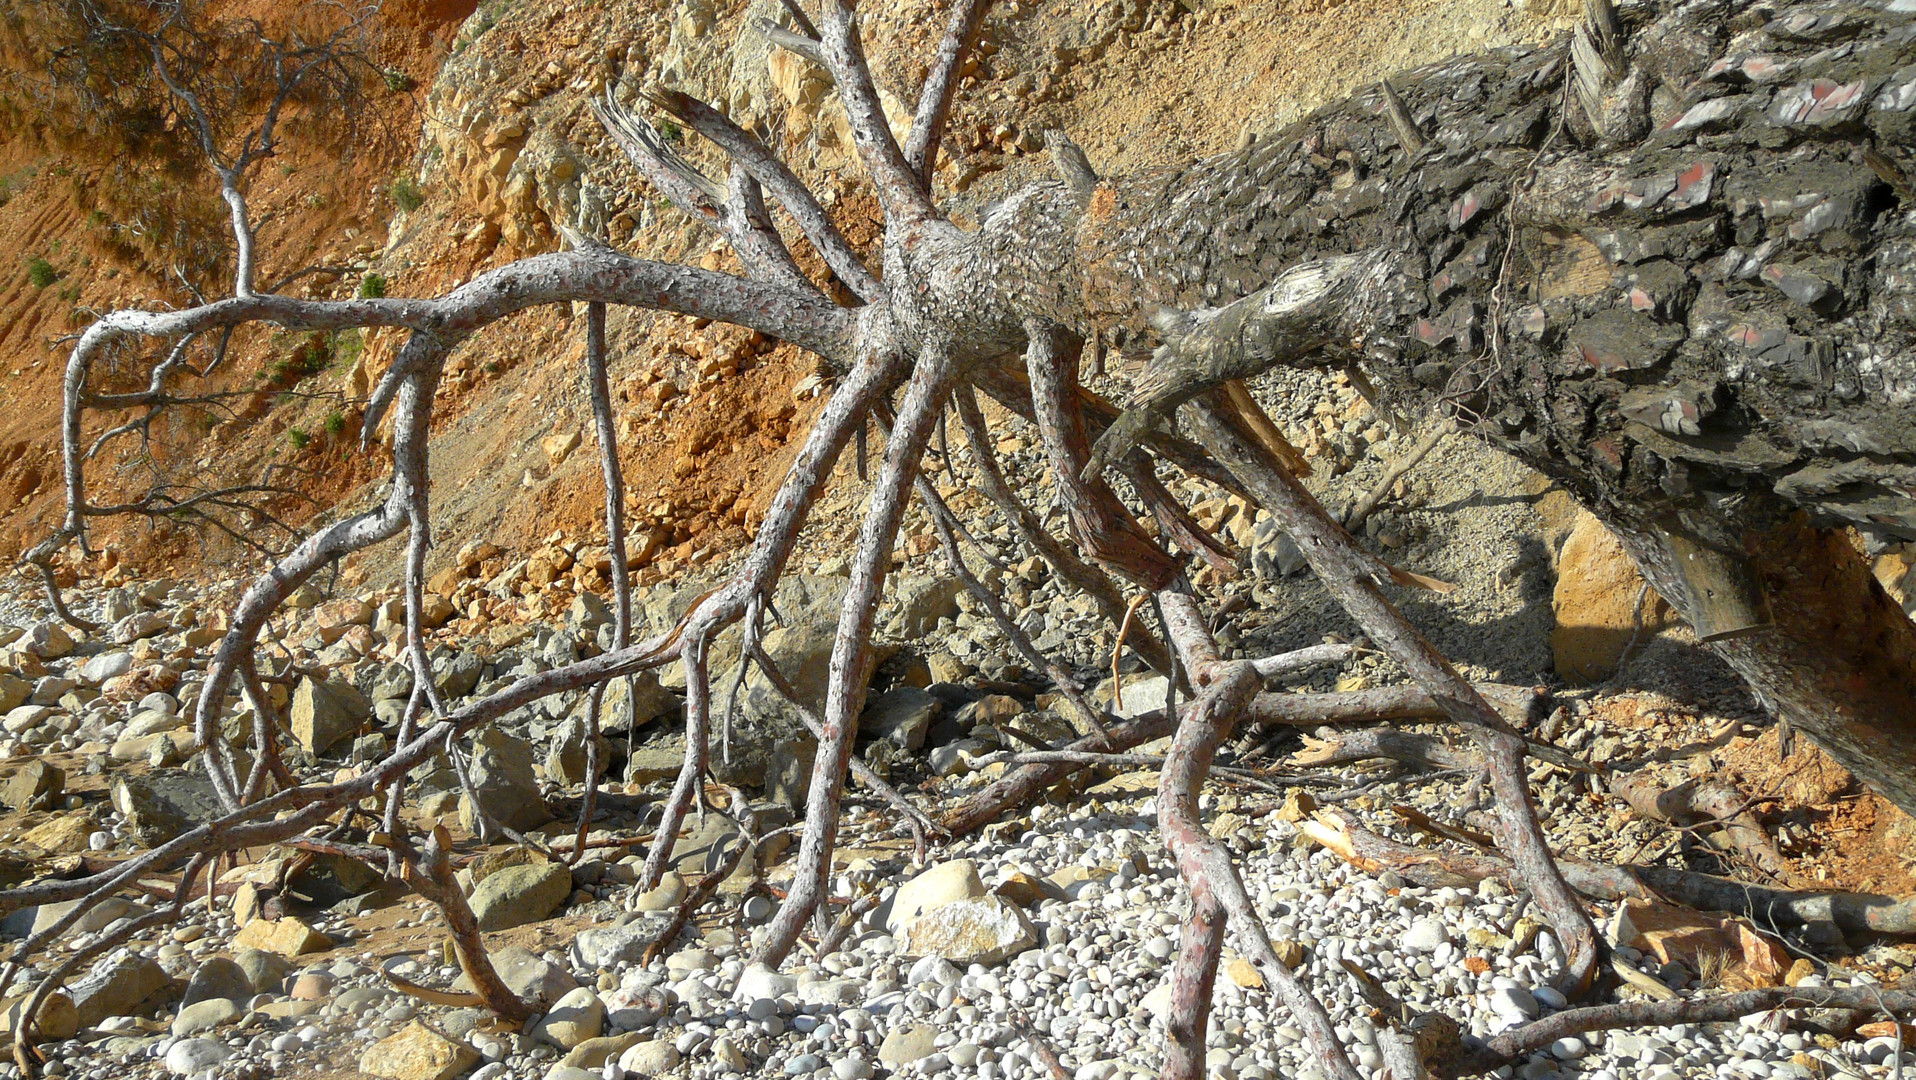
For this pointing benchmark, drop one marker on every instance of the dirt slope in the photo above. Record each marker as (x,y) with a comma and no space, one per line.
(498,142)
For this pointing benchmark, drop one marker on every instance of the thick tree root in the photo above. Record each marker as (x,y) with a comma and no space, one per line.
(1352,576)
(1860,913)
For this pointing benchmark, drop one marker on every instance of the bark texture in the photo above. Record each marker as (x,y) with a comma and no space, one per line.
(1686,296)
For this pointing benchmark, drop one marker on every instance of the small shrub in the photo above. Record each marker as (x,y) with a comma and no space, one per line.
(405,194)
(41,272)
(372,286)
(335,422)
(347,345)
(671,132)
(298,437)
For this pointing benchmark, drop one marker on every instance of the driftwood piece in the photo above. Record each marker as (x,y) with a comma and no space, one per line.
(1712,807)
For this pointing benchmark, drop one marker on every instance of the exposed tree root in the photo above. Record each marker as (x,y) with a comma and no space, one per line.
(1862,913)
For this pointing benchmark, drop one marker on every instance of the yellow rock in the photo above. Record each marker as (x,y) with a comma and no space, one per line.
(63,835)
(1241,973)
(287,937)
(1024,890)
(57,1018)
(1596,603)
(417,1052)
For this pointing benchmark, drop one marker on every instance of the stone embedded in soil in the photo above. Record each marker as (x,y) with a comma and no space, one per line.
(518,895)
(417,1052)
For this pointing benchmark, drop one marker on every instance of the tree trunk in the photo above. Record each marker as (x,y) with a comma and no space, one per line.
(1680,283)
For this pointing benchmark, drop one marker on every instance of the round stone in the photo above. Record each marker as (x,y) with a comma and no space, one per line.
(189,1056)
(851,1068)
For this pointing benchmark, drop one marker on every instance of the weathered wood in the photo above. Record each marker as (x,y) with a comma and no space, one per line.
(1862,913)
(1691,304)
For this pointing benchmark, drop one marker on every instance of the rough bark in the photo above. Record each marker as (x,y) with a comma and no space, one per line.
(1690,304)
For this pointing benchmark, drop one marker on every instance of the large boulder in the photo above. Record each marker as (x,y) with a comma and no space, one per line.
(162,805)
(118,985)
(501,772)
(521,894)
(323,713)
(34,786)
(933,888)
(1601,603)
(900,716)
(986,930)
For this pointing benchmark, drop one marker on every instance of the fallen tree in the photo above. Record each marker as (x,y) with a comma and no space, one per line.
(1729,387)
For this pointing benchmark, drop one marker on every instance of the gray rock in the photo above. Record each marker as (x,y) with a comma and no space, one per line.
(117,986)
(190,1056)
(613,947)
(219,977)
(921,601)
(900,716)
(521,894)
(207,1015)
(164,804)
(325,712)
(97,669)
(566,755)
(265,972)
(501,772)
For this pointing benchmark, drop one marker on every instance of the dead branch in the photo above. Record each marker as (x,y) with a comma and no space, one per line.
(1862,913)
(1713,808)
